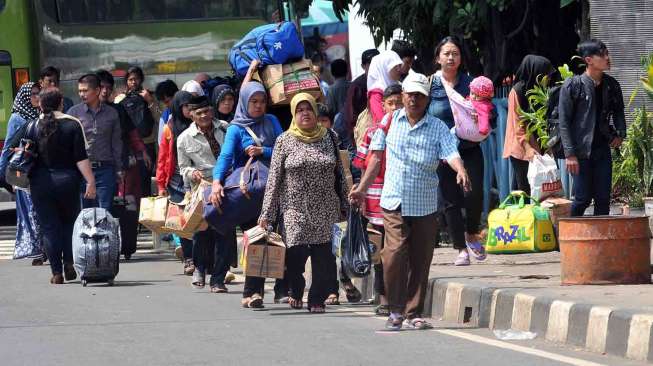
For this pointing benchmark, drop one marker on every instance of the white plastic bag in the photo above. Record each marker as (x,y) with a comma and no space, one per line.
(544,177)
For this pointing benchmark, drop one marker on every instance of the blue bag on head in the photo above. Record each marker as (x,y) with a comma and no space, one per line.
(271,44)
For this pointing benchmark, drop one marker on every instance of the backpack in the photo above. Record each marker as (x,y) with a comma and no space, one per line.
(553,116)
(271,44)
(139,113)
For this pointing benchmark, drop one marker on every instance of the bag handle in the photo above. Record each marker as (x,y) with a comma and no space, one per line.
(242,184)
(517,194)
(257,141)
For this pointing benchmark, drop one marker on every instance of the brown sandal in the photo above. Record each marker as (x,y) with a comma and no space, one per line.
(255,302)
(56,279)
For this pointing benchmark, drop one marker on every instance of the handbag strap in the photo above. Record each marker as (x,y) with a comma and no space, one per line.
(338,186)
(522,197)
(242,184)
(257,141)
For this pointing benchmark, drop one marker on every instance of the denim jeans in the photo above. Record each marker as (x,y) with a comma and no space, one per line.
(105,187)
(593,182)
(55,195)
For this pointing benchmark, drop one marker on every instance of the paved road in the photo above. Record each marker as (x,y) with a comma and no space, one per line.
(152,317)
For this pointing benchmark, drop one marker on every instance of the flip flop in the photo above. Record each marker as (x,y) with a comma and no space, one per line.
(295,303)
(332,300)
(417,324)
(394,323)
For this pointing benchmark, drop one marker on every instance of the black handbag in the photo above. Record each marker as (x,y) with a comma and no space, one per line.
(23,159)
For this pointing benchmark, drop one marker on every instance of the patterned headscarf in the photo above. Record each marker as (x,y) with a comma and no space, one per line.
(23,104)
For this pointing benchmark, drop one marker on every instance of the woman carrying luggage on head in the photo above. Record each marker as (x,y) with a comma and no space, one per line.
(238,147)
(168,177)
(300,195)
(55,180)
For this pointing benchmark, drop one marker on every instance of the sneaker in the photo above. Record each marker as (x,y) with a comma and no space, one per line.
(462,259)
(478,250)
(229,277)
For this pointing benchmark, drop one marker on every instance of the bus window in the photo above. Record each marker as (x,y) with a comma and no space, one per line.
(120,11)
(5,57)
(2,5)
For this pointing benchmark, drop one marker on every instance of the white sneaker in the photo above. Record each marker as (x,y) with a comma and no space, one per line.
(462,259)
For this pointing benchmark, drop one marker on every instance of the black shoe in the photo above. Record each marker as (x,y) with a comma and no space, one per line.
(69,272)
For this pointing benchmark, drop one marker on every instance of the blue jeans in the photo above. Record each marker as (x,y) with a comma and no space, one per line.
(105,187)
(593,182)
(55,195)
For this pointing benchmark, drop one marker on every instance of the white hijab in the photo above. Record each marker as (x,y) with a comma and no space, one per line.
(378,76)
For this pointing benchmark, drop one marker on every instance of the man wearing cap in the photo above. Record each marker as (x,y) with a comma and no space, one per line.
(414,143)
(197,149)
(592,120)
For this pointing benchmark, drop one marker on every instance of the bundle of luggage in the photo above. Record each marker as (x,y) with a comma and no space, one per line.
(284,72)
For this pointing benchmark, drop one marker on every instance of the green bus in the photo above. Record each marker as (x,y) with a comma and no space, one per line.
(168,39)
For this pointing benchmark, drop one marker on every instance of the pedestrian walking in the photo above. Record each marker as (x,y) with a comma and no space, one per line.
(385,70)
(356,100)
(300,195)
(338,90)
(517,147)
(55,181)
(164,93)
(463,231)
(415,145)
(29,240)
(141,107)
(224,102)
(238,147)
(392,101)
(102,128)
(587,102)
(197,149)
(168,176)
(50,77)
(129,189)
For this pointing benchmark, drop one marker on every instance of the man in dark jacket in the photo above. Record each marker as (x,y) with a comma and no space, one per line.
(592,121)
(356,100)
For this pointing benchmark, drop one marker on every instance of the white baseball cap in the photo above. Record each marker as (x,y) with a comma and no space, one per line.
(416,83)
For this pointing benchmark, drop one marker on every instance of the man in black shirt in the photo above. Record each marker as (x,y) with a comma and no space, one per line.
(592,120)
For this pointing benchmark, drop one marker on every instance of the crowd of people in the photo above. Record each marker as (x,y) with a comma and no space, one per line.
(412,174)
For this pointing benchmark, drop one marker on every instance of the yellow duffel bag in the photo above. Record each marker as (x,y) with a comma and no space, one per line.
(516,227)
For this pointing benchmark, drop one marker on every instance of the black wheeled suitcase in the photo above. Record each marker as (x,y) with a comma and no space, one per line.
(96,246)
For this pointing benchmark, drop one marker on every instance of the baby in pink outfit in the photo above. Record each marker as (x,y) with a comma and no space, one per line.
(481,93)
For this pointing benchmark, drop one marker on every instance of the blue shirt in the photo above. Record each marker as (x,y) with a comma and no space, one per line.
(439,106)
(412,157)
(16,121)
(232,155)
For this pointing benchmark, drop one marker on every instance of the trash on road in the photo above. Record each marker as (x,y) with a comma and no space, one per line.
(513,335)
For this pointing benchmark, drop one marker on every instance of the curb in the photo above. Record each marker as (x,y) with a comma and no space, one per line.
(619,332)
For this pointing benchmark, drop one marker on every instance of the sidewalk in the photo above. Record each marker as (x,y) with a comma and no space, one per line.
(523,292)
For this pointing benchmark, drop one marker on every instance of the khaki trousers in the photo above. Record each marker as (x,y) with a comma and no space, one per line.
(406,257)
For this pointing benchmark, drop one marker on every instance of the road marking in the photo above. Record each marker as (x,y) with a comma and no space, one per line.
(490,342)
(517,348)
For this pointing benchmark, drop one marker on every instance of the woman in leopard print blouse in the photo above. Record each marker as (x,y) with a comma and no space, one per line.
(307,189)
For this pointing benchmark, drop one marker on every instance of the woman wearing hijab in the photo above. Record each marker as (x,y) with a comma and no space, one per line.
(168,177)
(223,99)
(516,146)
(28,234)
(239,146)
(300,196)
(385,70)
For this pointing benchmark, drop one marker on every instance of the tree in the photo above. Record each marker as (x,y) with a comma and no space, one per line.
(496,34)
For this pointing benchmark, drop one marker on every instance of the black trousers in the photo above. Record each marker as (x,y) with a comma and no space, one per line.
(323,275)
(452,199)
(55,195)
(212,253)
(520,175)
